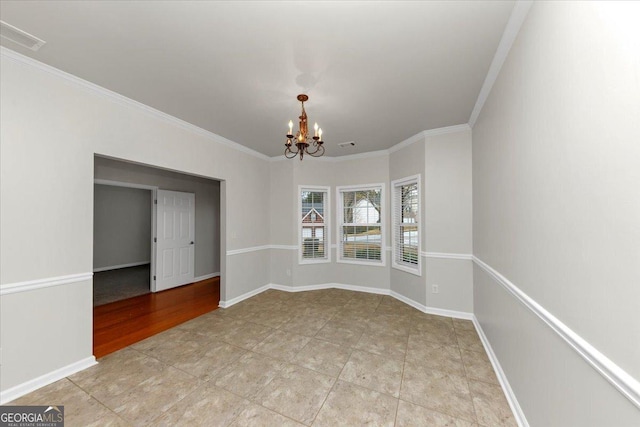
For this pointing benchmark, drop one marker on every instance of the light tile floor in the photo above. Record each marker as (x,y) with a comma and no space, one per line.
(323,358)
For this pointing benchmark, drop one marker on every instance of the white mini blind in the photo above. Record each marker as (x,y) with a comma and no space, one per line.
(313,214)
(360,219)
(406,225)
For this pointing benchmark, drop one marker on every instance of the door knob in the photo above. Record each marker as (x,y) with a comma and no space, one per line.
(191,242)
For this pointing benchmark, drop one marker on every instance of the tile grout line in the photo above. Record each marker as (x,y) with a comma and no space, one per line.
(466,374)
(404,365)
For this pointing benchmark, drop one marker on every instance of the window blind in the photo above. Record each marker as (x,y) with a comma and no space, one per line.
(406,225)
(361,224)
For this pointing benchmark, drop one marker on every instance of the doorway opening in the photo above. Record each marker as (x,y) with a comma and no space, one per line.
(122,240)
(157,249)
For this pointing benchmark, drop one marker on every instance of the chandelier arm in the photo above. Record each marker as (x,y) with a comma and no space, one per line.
(290,154)
(318,147)
(315,153)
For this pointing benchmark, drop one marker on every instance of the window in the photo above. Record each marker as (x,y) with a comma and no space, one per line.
(313,213)
(361,238)
(406,225)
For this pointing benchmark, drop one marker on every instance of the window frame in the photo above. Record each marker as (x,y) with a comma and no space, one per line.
(395,186)
(327,224)
(340,224)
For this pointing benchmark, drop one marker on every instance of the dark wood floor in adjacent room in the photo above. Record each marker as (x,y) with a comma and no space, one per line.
(119,324)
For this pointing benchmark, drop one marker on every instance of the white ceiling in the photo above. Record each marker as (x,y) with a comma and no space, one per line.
(376,72)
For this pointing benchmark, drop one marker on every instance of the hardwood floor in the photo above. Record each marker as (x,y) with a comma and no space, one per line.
(122,323)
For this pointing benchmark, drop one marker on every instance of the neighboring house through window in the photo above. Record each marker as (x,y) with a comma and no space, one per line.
(360,219)
(406,224)
(313,213)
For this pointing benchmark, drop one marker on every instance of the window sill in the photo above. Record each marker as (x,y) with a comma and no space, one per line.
(368,263)
(417,271)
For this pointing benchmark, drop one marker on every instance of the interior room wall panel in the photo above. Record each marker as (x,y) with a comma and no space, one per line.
(556,206)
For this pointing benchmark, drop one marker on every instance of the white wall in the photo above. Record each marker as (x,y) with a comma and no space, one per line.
(121,226)
(54,125)
(556,203)
(443,160)
(48,234)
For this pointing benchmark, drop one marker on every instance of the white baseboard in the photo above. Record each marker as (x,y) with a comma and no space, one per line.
(432,310)
(502,378)
(379,291)
(27,387)
(232,301)
(329,286)
(119,266)
(206,276)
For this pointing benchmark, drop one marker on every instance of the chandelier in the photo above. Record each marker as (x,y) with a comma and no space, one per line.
(301,143)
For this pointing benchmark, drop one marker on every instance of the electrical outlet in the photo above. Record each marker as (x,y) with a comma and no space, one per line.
(434,289)
(289,272)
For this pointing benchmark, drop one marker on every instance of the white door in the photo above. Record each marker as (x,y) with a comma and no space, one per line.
(175,228)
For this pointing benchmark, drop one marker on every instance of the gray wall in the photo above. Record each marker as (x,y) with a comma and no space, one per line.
(121,226)
(443,160)
(47,224)
(207,215)
(556,203)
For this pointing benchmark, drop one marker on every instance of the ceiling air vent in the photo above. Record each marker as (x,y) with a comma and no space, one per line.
(346,144)
(20,37)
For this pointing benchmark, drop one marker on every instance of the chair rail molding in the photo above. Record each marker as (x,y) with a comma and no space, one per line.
(618,377)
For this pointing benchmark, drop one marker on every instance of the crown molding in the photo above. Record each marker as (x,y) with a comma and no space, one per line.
(448,129)
(407,142)
(518,15)
(167,118)
(128,102)
(399,146)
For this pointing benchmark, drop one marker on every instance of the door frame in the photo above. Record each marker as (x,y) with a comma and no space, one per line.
(154,212)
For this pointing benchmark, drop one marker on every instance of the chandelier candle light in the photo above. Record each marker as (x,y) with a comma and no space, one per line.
(301,140)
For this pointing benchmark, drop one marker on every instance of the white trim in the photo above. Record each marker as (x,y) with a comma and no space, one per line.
(618,377)
(232,301)
(394,184)
(284,247)
(261,248)
(446,255)
(12,288)
(206,276)
(327,223)
(445,130)
(357,156)
(167,118)
(356,288)
(128,102)
(27,387)
(124,184)
(407,142)
(377,291)
(117,267)
(428,133)
(379,153)
(518,14)
(502,377)
(247,250)
(431,310)
(339,224)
